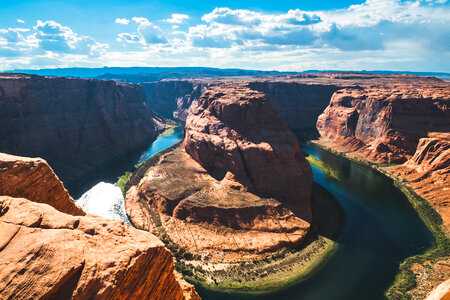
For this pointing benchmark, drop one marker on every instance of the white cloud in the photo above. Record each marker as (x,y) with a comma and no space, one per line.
(377,34)
(20,21)
(147,33)
(177,18)
(122,21)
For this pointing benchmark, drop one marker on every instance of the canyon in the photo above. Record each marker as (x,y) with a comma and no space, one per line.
(76,125)
(237,190)
(397,123)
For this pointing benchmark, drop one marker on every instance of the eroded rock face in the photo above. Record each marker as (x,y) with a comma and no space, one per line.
(234,132)
(428,172)
(48,254)
(173,98)
(32,178)
(74,124)
(237,189)
(385,124)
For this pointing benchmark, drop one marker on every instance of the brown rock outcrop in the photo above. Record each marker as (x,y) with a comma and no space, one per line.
(237,189)
(76,125)
(385,124)
(48,254)
(234,132)
(428,172)
(33,179)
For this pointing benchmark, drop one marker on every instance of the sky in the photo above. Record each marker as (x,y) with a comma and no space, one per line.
(264,35)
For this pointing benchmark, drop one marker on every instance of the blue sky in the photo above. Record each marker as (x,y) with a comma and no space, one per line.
(257,34)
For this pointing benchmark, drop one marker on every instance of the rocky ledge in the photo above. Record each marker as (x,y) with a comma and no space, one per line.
(60,253)
(48,254)
(237,189)
(33,179)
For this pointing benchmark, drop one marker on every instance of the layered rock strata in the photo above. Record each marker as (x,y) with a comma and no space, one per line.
(74,124)
(46,254)
(385,124)
(428,172)
(237,189)
(33,179)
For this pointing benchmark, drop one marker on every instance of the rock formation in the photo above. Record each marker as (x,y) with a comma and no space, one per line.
(46,254)
(236,133)
(237,189)
(385,124)
(74,124)
(33,179)
(428,172)
(173,98)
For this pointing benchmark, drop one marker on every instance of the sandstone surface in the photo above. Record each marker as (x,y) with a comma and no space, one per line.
(74,124)
(33,179)
(46,254)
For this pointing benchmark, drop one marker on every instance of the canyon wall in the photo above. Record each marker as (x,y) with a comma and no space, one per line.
(299,103)
(385,124)
(75,124)
(173,98)
(428,172)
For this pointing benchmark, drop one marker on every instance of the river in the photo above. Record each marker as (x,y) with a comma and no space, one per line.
(381,229)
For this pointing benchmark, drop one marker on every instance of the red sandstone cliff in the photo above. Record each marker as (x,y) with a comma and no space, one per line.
(385,124)
(33,179)
(428,172)
(75,124)
(235,132)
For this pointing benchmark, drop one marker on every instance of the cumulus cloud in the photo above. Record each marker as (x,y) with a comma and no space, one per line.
(122,21)
(20,21)
(177,18)
(147,33)
(376,34)
(55,37)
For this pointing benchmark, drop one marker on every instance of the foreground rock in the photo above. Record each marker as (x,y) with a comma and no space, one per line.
(237,189)
(48,254)
(74,124)
(33,179)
